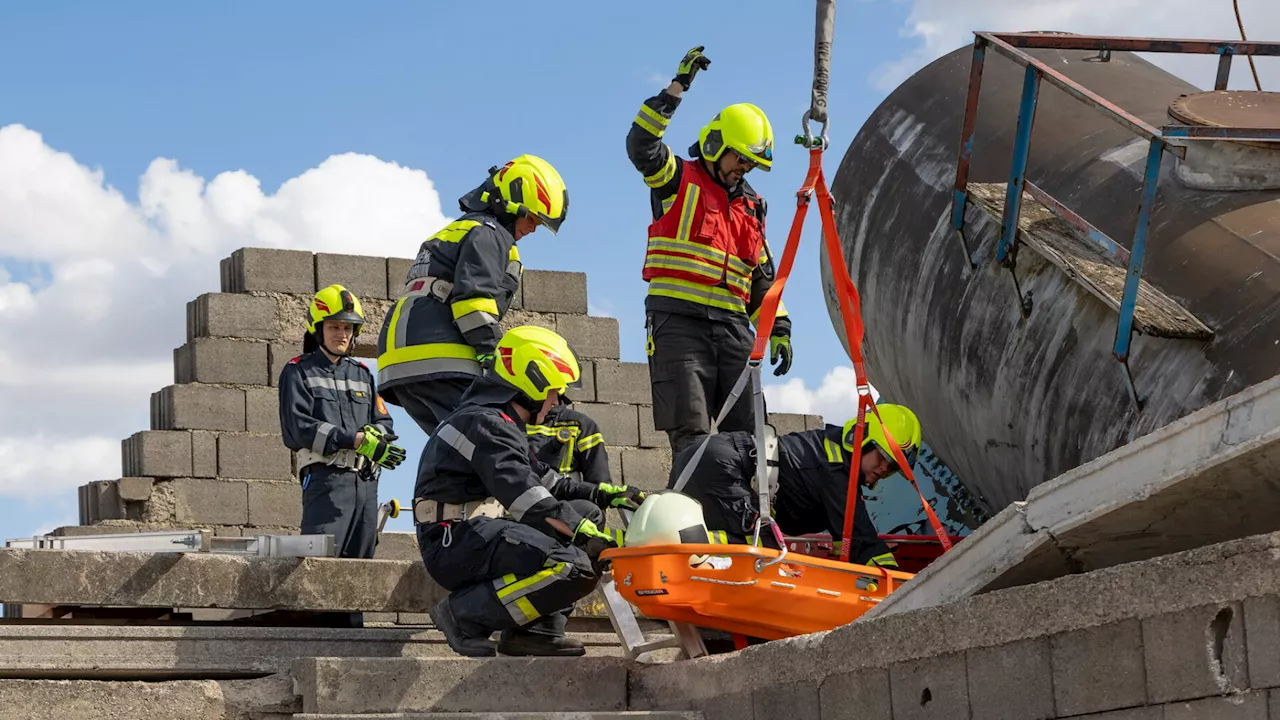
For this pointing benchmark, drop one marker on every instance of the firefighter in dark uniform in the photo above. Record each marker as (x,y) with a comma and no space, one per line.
(707,262)
(514,548)
(439,334)
(812,476)
(332,416)
(571,443)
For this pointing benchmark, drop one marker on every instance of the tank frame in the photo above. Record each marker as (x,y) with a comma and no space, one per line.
(1170,138)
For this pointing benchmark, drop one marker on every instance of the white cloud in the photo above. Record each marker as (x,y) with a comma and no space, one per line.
(87,343)
(835,399)
(938,27)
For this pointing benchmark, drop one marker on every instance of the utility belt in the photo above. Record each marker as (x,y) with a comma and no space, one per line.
(346,458)
(429,511)
(435,287)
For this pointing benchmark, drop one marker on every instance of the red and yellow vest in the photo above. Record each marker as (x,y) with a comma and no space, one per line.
(705,247)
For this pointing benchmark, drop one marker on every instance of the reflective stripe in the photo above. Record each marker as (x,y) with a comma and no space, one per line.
(590,441)
(510,589)
(337,383)
(667,203)
(454,231)
(835,453)
(347,458)
(697,293)
(885,560)
(692,193)
(427,351)
(431,366)
(472,321)
(457,440)
(322,436)
(718,537)
(663,176)
(527,500)
(461,308)
(651,121)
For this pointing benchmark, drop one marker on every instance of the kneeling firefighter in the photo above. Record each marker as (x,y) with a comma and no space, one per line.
(514,548)
(332,416)
(811,472)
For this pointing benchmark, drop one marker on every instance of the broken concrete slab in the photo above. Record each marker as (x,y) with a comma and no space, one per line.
(1209,477)
(85,699)
(384,685)
(199,580)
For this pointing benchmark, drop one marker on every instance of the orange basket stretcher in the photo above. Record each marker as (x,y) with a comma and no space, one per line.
(752,591)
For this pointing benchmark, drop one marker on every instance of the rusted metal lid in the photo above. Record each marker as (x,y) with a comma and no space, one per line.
(1228,108)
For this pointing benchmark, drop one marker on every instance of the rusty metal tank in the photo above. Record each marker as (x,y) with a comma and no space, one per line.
(1010,402)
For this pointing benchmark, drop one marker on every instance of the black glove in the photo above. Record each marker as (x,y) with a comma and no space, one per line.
(693,61)
(617,496)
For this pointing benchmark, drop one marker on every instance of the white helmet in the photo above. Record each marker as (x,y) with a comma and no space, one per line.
(667,518)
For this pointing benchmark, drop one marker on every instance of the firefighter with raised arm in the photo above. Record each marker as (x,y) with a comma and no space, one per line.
(809,471)
(515,547)
(443,330)
(707,262)
(332,416)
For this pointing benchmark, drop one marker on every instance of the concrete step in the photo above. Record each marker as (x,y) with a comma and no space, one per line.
(630,715)
(151,652)
(417,685)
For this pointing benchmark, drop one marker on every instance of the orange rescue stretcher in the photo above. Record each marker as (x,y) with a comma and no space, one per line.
(751,591)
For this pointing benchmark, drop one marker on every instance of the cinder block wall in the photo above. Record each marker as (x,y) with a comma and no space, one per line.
(213,456)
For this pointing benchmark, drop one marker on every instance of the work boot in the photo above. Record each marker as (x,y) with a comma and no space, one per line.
(465,640)
(521,642)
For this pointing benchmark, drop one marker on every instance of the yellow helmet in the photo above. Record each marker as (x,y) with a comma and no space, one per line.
(743,127)
(535,360)
(532,187)
(903,425)
(334,303)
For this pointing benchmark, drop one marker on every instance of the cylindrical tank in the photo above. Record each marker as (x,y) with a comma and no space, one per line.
(1008,402)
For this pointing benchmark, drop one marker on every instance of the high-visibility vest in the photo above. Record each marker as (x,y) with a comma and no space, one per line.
(705,247)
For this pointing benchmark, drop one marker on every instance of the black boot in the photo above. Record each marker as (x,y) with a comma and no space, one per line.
(468,640)
(521,642)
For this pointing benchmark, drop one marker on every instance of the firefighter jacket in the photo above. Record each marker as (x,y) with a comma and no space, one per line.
(324,404)
(571,443)
(456,292)
(707,255)
(813,486)
(482,450)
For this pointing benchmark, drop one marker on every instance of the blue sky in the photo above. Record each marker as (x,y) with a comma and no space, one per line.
(449,89)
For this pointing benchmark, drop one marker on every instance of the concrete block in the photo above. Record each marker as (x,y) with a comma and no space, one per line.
(390,685)
(645,468)
(413,618)
(262,410)
(274,503)
(588,391)
(363,275)
(1155,712)
(1011,682)
(1099,668)
(816,422)
(1195,653)
(256,457)
(214,580)
(269,270)
(623,382)
(555,291)
(651,437)
(516,318)
(1250,706)
(222,360)
(157,453)
(786,702)
(1262,633)
(397,272)
(858,695)
(591,337)
(930,688)
(615,464)
(279,355)
(84,699)
(212,501)
(198,407)
(100,500)
(231,315)
(397,546)
(726,707)
(204,454)
(618,423)
(787,422)
(77,530)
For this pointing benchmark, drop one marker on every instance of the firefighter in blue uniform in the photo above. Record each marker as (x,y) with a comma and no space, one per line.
(515,548)
(811,471)
(441,333)
(571,443)
(332,416)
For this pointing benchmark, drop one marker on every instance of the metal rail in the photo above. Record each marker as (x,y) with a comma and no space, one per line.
(1169,138)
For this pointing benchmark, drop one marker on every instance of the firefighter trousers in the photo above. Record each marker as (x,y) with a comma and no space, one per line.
(502,574)
(430,401)
(693,364)
(721,482)
(340,502)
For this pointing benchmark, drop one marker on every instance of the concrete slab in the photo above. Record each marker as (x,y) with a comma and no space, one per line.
(384,685)
(197,580)
(150,652)
(1209,477)
(625,715)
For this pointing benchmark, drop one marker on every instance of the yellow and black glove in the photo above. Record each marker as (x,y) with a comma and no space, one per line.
(375,447)
(594,541)
(780,346)
(693,61)
(617,496)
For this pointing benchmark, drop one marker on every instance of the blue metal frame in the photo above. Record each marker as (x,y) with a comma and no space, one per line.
(1170,138)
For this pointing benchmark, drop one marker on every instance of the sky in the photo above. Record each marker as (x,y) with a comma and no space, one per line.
(141,142)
